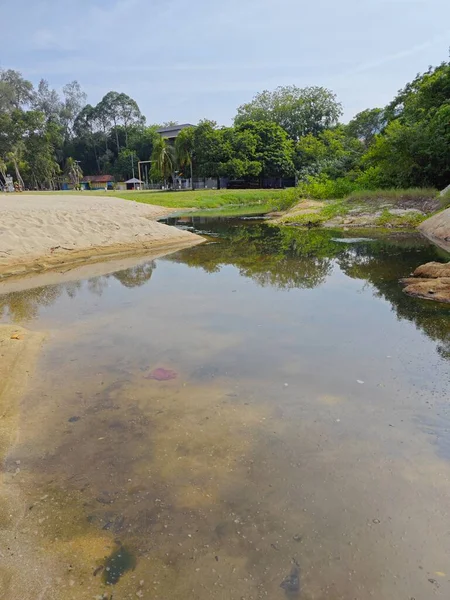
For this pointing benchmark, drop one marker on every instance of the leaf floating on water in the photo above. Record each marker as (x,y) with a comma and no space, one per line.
(161,374)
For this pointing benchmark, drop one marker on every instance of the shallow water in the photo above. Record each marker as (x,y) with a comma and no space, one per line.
(295,443)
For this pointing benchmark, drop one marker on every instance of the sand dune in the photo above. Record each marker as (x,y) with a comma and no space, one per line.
(40,232)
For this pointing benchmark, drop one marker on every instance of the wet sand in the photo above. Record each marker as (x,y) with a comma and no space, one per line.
(42,232)
(19,349)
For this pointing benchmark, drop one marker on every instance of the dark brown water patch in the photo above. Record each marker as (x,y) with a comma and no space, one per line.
(117,564)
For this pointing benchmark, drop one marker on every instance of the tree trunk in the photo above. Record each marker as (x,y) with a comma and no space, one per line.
(192,177)
(117,137)
(18,175)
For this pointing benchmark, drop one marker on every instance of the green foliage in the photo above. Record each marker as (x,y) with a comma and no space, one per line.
(125,165)
(366,125)
(298,111)
(323,187)
(163,160)
(370,179)
(332,153)
(415,146)
(389,219)
(273,149)
(287,132)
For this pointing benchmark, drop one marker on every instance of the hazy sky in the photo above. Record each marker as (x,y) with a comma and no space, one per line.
(185,60)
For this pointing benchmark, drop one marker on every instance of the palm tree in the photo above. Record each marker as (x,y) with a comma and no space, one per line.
(73,171)
(14,157)
(184,146)
(163,158)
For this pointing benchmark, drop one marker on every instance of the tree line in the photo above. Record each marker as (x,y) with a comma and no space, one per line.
(288,132)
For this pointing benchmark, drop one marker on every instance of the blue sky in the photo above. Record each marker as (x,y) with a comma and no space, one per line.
(184,60)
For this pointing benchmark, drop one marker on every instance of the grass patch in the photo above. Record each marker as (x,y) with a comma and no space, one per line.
(245,210)
(255,200)
(204,199)
(388,219)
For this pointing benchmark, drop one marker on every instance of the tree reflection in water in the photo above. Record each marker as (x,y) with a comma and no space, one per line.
(284,258)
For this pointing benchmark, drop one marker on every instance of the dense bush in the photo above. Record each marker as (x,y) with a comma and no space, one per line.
(322,187)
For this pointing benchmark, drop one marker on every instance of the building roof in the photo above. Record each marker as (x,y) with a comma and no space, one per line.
(97,178)
(134,180)
(174,128)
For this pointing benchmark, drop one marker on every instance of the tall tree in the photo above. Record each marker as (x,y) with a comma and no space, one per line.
(274,150)
(15,91)
(366,125)
(184,150)
(47,101)
(74,101)
(298,111)
(129,113)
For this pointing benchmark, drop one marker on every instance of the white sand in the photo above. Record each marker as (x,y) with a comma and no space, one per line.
(40,232)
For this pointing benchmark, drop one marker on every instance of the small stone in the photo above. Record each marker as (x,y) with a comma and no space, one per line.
(376,521)
(297,538)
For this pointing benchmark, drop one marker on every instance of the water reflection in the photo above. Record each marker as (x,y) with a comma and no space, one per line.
(24,306)
(283,258)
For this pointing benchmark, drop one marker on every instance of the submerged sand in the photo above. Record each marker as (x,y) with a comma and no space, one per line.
(40,232)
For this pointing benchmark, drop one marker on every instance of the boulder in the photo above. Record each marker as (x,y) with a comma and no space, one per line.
(432,270)
(429,289)
(430,281)
(437,229)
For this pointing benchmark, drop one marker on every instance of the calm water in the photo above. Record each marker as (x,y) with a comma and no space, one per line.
(299,447)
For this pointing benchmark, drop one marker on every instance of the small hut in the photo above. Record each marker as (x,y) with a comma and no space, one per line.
(133,184)
(97,182)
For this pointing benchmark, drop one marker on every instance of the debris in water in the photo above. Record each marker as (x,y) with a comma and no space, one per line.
(291,583)
(98,570)
(359,381)
(73,419)
(16,336)
(297,538)
(161,374)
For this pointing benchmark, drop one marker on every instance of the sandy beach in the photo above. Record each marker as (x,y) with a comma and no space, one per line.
(43,232)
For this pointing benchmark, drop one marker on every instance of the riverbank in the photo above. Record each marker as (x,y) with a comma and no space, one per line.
(47,231)
(394,208)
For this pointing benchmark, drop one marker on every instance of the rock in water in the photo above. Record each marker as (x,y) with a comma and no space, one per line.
(291,583)
(430,281)
(161,374)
